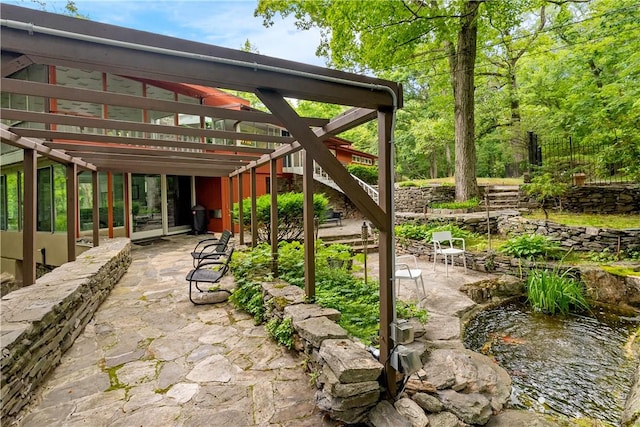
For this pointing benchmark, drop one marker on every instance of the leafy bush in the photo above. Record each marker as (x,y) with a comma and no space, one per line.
(290,208)
(531,246)
(544,188)
(467,204)
(551,292)
(368,174)
(281,331)
(248,297)
(423,232)
(335,287)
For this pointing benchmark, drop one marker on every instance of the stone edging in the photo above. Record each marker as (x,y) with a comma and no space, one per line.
(40,322)
(348,376)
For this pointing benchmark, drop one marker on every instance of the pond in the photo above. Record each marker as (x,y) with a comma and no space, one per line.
(576,365)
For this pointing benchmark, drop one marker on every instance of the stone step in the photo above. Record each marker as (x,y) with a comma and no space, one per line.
(504,194)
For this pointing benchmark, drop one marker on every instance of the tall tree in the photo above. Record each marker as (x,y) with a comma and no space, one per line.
(376,36)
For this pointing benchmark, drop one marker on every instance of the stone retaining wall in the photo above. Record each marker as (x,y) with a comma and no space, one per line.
(475,223)
(416,199)
(40,322)
(610,199)
(578,238)
(454,387)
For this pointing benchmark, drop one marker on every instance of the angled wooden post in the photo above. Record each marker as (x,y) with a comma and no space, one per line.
(308,221)
(240,211)
(254,213)
(95,214)
(72,198)
(273,189)
(29,222)
(110,203)
(386,248)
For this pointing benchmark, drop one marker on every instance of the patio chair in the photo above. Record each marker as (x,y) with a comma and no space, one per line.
(443,245)
(210,249)
(409,271)
(209,272)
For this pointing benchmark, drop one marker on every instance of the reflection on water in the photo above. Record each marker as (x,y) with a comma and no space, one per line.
(573,365)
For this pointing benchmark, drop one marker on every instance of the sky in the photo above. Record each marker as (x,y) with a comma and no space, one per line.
(224,23)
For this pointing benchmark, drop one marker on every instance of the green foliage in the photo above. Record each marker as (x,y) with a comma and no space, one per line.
(544,188)
(281,331)
(552,291)
(407,311)
(248,297)
(368,174)
(423,232)
(335,287)
(467,204)
(531,247)
(290,209)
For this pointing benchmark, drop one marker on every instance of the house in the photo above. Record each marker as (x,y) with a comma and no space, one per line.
(137,205)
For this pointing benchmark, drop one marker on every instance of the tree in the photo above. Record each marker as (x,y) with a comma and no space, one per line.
(399,32)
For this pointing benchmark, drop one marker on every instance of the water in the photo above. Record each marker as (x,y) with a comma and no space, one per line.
(574,365)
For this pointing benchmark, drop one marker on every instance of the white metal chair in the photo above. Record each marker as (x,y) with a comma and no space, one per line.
(409,271)
(443,245)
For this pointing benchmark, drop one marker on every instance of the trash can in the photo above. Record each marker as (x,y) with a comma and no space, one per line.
(199,223)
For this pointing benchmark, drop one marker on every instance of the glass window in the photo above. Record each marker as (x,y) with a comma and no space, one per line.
(60,197)
(34,73)
(3,202)
(45,197)
(85,201)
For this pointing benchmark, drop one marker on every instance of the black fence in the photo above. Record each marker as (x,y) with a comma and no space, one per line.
(575,161)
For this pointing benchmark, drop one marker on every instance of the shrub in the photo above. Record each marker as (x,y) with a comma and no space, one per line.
(544,188)
(551,292)
(467,204)
(368,174)
(281,331)
(248,297)
(290,208)
(423,232)
(531,246)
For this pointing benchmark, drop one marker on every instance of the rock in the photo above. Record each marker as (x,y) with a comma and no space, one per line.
(486,290)
(608,288)
(385,415)
(318,329)
(211,297)
(472,408)
(511,418)
(447,419)
(414,413)
(300,312)
(349,362)
(335,388)
(428,402)
(472,373)
(631,414)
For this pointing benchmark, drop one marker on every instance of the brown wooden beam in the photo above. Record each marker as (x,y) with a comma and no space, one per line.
(147,142)
(385,245)
(348,120)
(230,212)
(9,137)
(72,203)
(142,158)
(72,148)
(25,87)
(96,209)
(14,65)
(273,190)
(308,219)
(122,125)
(171,169)
(321,154)
(254,213)
(30,219)
(240,210)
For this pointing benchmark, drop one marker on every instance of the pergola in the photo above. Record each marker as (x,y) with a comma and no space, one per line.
(34,37)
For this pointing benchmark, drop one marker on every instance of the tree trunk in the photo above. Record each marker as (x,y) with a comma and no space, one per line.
(462,67)
(518,146)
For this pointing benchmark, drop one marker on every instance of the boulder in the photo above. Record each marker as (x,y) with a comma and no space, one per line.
(447,419)
(414,413)
(385,415)
(349,362)
(472,408)
(428,402)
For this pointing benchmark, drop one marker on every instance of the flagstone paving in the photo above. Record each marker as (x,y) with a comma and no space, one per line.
(151,358)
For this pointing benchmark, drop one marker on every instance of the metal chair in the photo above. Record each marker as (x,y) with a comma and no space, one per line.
(441,247)
(409,271)
(210,249)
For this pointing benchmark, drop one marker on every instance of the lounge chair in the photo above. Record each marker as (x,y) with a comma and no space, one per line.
(209,272)
(210,249)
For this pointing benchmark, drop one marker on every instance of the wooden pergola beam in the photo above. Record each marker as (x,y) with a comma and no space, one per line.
(121,125)
(9,137)
(321,154)
(14,65)
(147,142)
(144,158)
(24,87)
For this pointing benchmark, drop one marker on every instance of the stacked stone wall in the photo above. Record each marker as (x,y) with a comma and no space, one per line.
(577,238)
(416,199)
(40,322)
